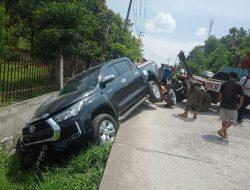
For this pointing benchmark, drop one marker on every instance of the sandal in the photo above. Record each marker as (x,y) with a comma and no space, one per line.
(220,134)
(182,115)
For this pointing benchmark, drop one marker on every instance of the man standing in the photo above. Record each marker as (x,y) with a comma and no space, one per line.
(197,94)
(245,82)
(166,74)
(228,95)
(162,69)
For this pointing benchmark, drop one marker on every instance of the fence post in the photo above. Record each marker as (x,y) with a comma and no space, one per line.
(61,72)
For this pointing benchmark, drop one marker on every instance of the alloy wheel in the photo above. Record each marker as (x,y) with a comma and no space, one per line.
(107,131)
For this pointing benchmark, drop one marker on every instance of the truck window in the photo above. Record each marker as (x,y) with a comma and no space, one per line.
(87,80)
(130,64)
(110,71)
(123,67)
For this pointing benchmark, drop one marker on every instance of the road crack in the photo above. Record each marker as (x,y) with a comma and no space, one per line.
(164,153)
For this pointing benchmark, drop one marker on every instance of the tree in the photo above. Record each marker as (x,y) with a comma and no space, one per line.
(217,53)
(7,40)
(210,44)
(218,58)
(64,28)
(86,29)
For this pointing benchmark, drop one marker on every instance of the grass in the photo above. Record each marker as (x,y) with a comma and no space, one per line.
(83,171)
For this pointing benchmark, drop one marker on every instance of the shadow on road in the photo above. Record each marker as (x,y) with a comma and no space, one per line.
(214,139)
(213,110)
(165,106)
(183,119)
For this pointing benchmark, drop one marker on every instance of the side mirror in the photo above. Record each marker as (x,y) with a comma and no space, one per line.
(107,79)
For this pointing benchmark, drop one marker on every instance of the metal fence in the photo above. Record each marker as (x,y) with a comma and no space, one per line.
(23,77)
(72,66)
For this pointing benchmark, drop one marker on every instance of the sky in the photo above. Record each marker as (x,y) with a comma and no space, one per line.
(169,26)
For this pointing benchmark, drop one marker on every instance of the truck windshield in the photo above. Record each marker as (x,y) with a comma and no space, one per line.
(84,81)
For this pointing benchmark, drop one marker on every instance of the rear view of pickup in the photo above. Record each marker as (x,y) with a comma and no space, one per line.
(90,106)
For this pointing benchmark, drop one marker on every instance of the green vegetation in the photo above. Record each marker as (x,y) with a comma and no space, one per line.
(217,53)
(83,171)
(87,29)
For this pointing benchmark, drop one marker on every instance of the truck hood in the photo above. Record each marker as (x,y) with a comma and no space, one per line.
(56,104)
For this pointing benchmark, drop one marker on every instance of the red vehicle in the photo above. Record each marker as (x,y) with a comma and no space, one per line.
(211,85)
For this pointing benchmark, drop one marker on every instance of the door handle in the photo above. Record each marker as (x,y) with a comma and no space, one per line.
(123,81)
(136,73)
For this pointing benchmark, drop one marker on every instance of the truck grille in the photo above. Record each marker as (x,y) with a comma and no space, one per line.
(37,132)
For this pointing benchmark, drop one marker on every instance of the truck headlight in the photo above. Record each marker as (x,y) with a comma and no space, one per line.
(70,112)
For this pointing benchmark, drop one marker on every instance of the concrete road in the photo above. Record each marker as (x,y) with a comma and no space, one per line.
(157,150)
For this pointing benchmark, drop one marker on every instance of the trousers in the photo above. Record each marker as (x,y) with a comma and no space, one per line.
(241,111)
(195,99)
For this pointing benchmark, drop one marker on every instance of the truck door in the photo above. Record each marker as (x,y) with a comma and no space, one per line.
(114,90)
(138,85)
(126,78)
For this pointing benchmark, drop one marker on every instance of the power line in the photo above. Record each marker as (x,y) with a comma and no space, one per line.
(140,15)
(139,11)
(135,16)
(144,19)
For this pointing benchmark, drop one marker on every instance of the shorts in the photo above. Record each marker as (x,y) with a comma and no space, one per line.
(228,115)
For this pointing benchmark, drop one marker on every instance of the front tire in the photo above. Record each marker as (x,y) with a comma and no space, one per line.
(179,91)
(154,92)
(104,128)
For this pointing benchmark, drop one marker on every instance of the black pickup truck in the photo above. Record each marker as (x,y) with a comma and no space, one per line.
(90,106)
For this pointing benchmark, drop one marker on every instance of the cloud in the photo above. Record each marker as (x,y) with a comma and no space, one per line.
(163,22)
(201,32)
(160,49)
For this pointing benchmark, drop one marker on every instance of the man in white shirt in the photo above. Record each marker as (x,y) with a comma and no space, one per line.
(245,82)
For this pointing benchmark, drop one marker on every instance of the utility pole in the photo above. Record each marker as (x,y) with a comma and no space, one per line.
(210,27)
(126,21)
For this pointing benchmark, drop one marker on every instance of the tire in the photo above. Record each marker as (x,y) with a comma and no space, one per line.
(104,128)
(154,92)
(214,96)
(206,103)
(27,160)
(179,95)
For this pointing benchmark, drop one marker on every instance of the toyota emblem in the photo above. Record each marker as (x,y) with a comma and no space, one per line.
(32,129)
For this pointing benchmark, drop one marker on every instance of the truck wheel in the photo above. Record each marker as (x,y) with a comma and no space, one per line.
(154,92)
(180,96)
(26,160)
(206,103)
(104,128)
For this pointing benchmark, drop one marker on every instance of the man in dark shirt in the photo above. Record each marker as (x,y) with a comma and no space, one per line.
(245,82)
(229,95)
